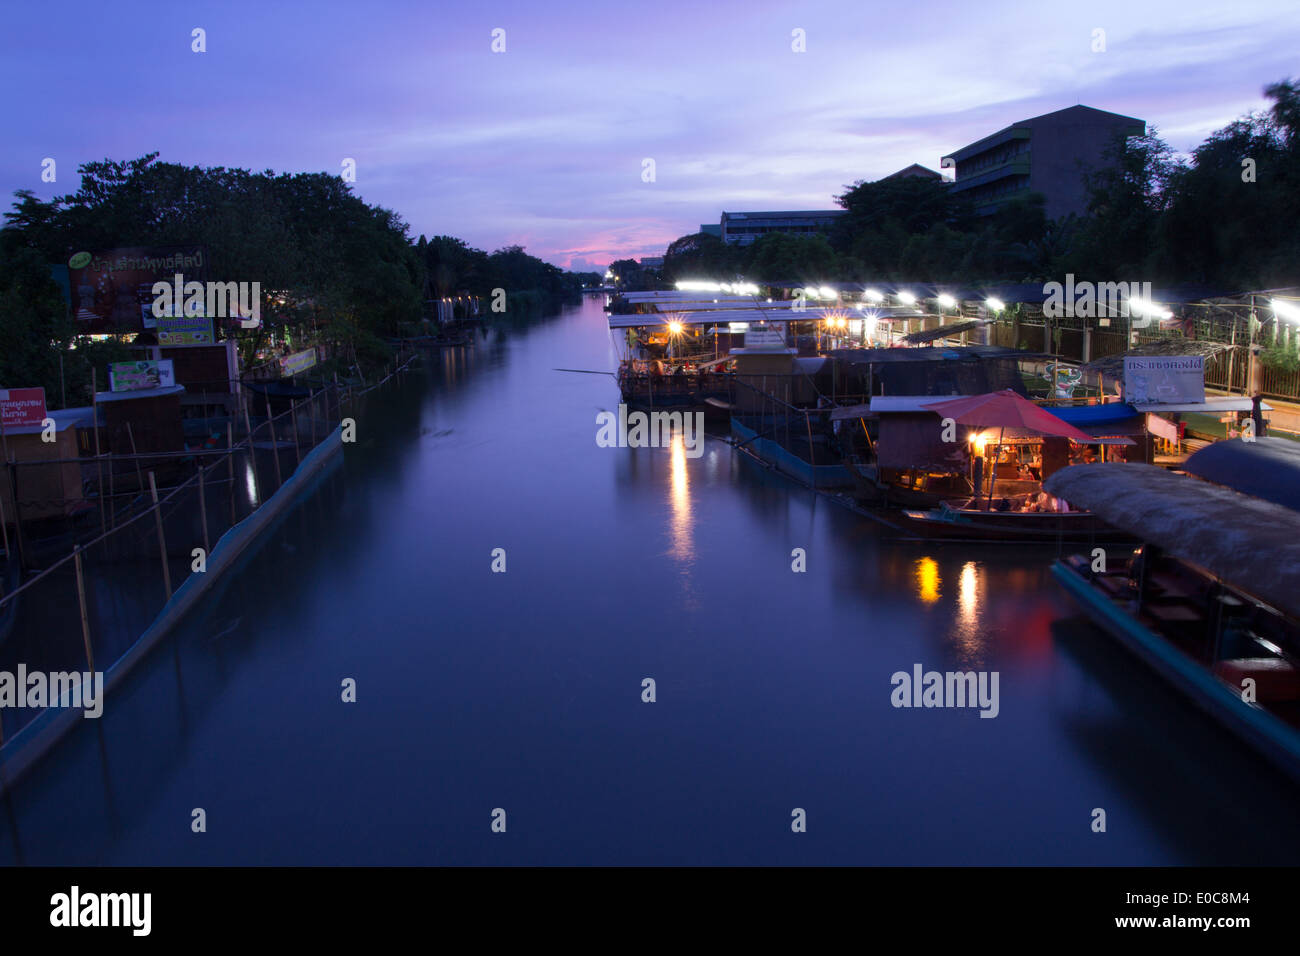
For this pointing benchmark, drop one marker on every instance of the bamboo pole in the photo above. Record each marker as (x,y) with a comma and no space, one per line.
(203,513)
(293,414)
(275,447)
(162,540)
(135,453)
(81,601)
(99,467)
(230,469)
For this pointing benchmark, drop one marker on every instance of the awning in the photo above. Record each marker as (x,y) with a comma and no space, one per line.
(1248,542)
(1211,406)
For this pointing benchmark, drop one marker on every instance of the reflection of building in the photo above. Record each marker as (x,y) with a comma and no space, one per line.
(653,263)
(1047,154)
(745,227)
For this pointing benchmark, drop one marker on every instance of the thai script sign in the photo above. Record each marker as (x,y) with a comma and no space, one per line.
(112,291)
(1164,379)
(184,330)
(20,407)
(136,376)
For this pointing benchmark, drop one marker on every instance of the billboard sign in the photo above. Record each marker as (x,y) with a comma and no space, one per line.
(112,291)
(297,362)
(137,376)
(184,330)
(1164,379)
(22,407)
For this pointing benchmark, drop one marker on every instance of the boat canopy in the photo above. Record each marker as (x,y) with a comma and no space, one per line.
(1267,468)
(1248,542)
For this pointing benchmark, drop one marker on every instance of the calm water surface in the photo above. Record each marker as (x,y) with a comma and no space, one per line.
(522,690)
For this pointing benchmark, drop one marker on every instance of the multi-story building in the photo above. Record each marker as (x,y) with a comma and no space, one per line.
(1047,154)
(745,227)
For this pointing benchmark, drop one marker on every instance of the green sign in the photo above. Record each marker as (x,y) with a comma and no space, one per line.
(184,330)
(136,376)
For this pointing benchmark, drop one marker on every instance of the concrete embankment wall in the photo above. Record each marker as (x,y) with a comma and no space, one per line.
(31,743)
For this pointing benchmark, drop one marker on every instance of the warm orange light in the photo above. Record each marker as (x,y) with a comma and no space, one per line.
(674,328)
(927,579)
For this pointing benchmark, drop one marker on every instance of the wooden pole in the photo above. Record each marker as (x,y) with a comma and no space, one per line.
(293,414)
(4,530)
(81,601)
(99,468)
(230,469)
(275,447)
(162,540)
(203,513)
(135,453)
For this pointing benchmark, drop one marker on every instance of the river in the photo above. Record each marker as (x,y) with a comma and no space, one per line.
(481,691)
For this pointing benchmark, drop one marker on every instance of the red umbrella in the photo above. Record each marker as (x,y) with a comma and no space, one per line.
(1003,410)
(1006,409)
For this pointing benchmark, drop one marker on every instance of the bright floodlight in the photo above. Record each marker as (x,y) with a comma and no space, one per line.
(1153,309)
(907,298)
(826,292)
(995,305)
(1285,310)
(873,295)
(675,328)
(946,301)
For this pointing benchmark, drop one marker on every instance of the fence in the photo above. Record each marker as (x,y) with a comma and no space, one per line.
(152,521)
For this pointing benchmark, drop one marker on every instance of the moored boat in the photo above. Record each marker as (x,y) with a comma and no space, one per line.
(1210,600)
(1018,519)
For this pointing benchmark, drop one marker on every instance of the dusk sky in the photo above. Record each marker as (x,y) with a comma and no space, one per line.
(542,145)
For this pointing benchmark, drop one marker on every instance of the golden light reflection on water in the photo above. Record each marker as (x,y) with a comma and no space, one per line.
(969,594)
(681,525)
(927,579)
(967,636)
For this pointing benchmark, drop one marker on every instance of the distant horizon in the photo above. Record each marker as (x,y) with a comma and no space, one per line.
(544,145)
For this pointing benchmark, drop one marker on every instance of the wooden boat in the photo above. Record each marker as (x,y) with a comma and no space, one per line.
(969,518)
(1210,601)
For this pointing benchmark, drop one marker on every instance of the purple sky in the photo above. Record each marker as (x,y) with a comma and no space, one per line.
(542,145)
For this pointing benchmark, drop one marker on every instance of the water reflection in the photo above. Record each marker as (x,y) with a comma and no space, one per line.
(927,579)
(679,500)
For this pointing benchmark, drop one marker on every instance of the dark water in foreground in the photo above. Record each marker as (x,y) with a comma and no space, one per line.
(522,690)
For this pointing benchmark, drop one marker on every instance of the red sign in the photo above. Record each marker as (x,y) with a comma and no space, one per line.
(22,406)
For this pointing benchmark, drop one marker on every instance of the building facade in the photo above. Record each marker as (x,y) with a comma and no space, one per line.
(742,228)
(1047,154)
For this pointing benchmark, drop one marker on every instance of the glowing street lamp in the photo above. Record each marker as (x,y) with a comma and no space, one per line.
(946,301)
(1285,310)
(995,305)
(906,298)
(874,295)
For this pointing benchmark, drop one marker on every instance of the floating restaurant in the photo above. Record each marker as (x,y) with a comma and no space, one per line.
(856,398)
